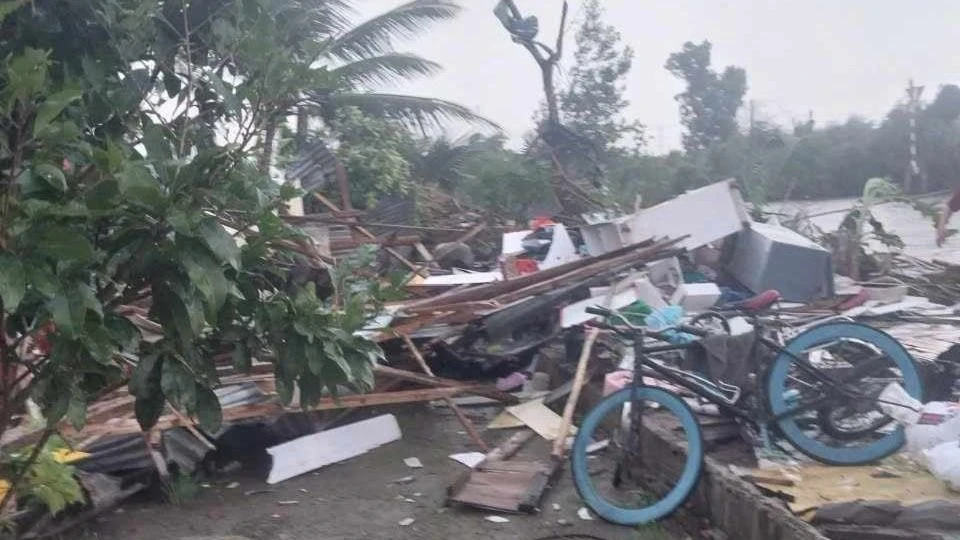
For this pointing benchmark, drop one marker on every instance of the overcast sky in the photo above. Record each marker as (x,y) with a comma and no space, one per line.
(832,57)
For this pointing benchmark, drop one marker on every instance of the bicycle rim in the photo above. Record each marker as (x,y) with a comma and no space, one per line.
(681,490)
(777,392)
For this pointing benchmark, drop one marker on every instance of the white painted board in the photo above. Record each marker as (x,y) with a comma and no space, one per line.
(466,278)
(311,452)
(707,214)
(513,242)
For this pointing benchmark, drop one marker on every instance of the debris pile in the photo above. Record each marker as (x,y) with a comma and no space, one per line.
(473,327)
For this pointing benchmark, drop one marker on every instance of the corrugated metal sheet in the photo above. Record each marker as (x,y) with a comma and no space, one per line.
(316,169)
(129,452)
(399,209)
(179,445)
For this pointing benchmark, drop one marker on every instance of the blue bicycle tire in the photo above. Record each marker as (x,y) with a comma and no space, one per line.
(819,335)
(692,468)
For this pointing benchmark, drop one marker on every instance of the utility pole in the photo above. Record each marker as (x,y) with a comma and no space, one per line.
(913,166)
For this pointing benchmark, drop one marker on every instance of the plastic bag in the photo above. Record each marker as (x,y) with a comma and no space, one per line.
(669,317)
(943,462)
(926,425)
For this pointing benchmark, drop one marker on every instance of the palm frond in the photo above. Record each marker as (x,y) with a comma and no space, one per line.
(329,17)
(375,36)
(414,112)
(383,69)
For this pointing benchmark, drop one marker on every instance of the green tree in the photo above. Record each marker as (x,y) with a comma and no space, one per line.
(351,60)
(129,183)
(504,182)
(709,105)
(593,103)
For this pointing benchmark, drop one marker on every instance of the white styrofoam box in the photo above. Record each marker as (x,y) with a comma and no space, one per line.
(696,297)
(705,215)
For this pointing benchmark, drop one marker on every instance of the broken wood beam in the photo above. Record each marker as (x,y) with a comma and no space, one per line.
(636,254)
(464,421)
(341,244)
(333,208)
(257,410)
(485,391)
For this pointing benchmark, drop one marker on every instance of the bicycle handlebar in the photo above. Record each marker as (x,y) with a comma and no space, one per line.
(634,329)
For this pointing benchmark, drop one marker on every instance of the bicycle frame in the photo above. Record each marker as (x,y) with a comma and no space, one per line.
(713,392)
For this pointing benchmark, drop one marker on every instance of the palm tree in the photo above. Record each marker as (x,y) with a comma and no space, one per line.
(360,57)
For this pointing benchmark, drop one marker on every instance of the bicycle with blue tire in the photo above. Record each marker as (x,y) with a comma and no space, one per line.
(818,391)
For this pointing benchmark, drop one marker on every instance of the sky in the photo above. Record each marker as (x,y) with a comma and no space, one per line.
(832,58)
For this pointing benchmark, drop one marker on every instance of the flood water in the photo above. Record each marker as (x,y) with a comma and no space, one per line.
(916,231)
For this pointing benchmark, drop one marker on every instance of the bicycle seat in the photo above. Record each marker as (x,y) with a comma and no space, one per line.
(758,303)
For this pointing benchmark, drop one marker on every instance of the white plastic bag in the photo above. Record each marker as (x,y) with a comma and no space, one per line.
(943,461)
(926,425)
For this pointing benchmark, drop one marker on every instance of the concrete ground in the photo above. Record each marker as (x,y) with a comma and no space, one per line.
(359,499)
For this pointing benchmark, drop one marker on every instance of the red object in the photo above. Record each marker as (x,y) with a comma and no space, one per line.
(40,338)
(540,222)
(527,266)
(761,301)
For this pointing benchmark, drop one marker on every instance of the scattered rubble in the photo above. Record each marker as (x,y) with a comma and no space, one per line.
(476,319)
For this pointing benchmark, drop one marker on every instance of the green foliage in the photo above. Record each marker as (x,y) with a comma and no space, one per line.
(708,106)
(47,482)
(374,151)
(593,104)
(105,202)
(505,182)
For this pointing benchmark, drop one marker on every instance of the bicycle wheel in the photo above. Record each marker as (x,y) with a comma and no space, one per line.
(858,343)
(625,505)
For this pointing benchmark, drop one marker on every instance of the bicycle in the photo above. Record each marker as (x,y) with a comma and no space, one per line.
(775,403)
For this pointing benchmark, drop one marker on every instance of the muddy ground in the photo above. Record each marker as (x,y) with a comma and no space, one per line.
(358,499)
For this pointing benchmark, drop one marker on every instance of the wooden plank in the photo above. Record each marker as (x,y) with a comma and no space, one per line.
(464,421)
(311,452)
(243,412)
(489,392)
(333,208)
(342,244)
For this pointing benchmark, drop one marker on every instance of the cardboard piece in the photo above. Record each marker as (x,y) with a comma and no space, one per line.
(539,418)
(311,452)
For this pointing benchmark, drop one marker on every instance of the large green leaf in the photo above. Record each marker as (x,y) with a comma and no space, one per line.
(208,277)
(51,176)
(178,384)
(220,242)
(103,195)
(209,412)
(148,409)
(13,282)
(146,376)
(54,105)
(68,310)
(63,244)
(138,186)
(77,411)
